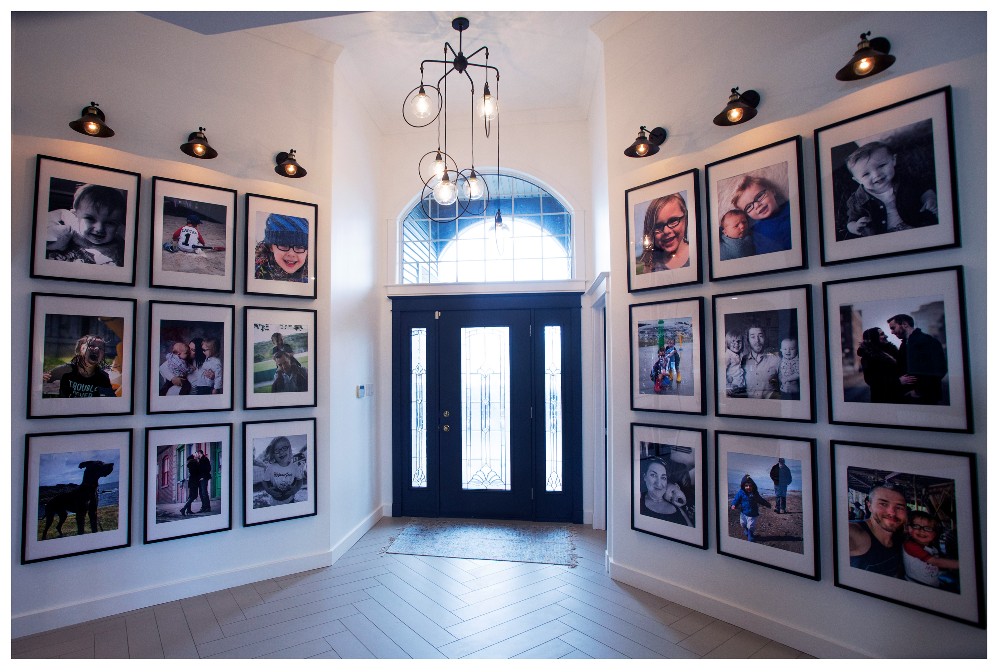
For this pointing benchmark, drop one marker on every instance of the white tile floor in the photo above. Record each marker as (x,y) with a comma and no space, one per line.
(376,605)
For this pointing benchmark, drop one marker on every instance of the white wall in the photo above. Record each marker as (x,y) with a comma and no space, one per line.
(157,83)
(675,70)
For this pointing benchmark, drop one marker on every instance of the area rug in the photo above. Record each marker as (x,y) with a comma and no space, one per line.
(514,541)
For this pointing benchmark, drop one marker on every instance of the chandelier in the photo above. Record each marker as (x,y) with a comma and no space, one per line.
(450,192)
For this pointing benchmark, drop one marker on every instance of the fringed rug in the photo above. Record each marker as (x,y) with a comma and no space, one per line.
(514,541)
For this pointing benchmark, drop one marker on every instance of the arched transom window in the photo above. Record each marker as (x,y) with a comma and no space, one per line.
(534,241)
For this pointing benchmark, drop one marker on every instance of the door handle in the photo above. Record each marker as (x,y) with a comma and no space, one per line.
(446,428)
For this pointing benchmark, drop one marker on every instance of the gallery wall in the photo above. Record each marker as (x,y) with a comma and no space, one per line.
(256,97)
(791,63)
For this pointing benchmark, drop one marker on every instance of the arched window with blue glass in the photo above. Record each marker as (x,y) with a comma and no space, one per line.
(524,235)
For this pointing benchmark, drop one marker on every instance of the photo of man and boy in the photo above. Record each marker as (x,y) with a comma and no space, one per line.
(885,183)
(761,356)
(765,500)
(280,358)
(895,351)
(903,526)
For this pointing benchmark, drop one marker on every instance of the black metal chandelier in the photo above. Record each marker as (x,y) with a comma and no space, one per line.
(448,191)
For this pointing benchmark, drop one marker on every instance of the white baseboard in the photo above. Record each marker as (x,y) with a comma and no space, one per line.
(72,614)
(764,625)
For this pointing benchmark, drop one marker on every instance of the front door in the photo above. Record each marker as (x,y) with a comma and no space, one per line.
(486,416)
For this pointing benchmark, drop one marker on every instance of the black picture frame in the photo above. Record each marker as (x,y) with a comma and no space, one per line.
(767,389)
(61,249)
(272,491)
(786,533)
(168,485)
(934,300)
(204,255)
(680,451)
(173,325)
(63,471)
(298,340)
(60,323)
(767,180)
(644,271)
(674,383)
(941,483)
(263,273)
(916,139)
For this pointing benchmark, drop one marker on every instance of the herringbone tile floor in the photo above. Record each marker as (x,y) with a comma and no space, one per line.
(376,605)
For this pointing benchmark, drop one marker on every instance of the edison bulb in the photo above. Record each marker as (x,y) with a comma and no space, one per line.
(291,169)
(445,192)
(199,150)
(421,104)
(489,108)
(92,127)
(864,66)
(473,188)
(439,165)
(641,149)
(734,114)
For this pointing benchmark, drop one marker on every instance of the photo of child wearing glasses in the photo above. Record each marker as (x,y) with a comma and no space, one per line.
(283,254)
(766,226)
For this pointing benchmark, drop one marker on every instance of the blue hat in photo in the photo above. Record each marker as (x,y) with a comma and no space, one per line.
(286,231)
(193,218)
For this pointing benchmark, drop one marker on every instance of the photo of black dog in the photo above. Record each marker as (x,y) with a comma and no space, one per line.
(79,500)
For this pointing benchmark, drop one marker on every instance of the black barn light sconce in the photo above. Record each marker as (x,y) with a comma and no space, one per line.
(742,107)
(871,58)
(92,123)
(287,166)
(198,147)
(644,146)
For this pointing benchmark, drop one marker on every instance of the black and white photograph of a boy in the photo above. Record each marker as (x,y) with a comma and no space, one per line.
(885,183)
(760,354)
(86,223)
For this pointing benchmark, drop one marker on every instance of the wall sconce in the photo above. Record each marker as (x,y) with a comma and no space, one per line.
(871,58)
(646,147)
(740,108)
(198,147)
(91,122)
(287,166)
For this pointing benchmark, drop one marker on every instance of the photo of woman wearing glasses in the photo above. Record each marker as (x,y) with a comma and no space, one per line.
(283,253)
(758,220)
(664,234)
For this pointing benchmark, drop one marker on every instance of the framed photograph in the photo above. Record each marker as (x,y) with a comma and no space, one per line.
(906,528)
(764,354)
(279,470)
(669,483)
(766,489)
(898,352)
(188,481)
(886,181)
(193,239)
(82,359)
(76,494)
(281,244)
(662,232)
(190,357)
(755,206)
(85,222)
(280,357)
(667,359)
